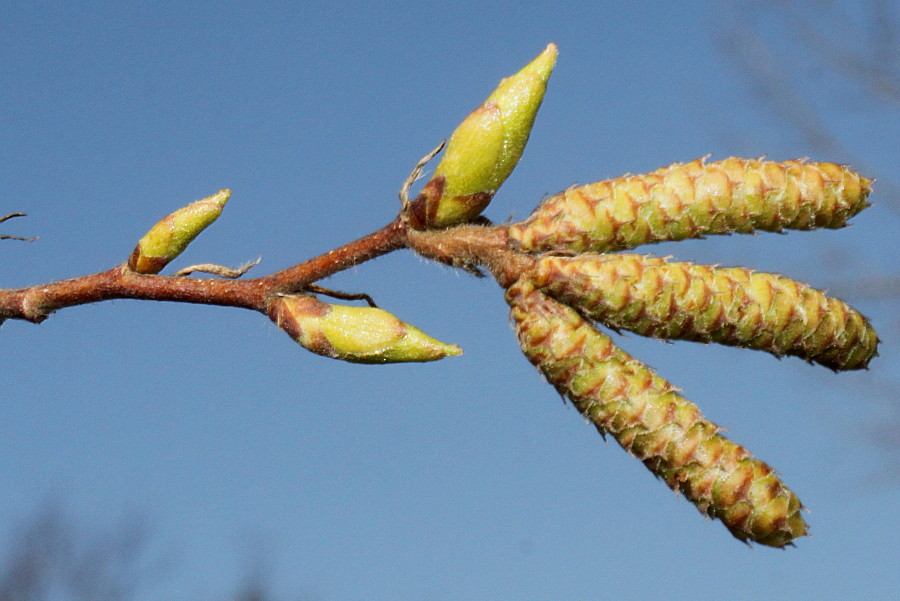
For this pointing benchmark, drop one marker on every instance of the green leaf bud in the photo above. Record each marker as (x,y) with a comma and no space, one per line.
(355,334)
(486,147)
(168,238)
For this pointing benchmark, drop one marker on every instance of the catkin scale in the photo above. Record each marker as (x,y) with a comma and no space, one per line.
(691,200)
(648,417)
(733,306)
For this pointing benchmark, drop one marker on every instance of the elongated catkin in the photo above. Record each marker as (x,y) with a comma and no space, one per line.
(692,200)
(648,417)
(734,306)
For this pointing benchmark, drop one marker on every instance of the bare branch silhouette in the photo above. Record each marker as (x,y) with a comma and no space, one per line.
(7,237)
(873,71)
(49,559)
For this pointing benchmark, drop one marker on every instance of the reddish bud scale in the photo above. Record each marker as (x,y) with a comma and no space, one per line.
(692,200)
(734,306)
(648,417)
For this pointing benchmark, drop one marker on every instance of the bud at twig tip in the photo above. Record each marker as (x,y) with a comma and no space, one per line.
(486,146)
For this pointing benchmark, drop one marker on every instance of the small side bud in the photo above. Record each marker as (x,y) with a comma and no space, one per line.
(486,146)
(355,334)
(168,238)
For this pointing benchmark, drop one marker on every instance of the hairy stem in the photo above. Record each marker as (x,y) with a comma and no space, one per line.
(380,242)
(465,246)
(35,303)
(471,246)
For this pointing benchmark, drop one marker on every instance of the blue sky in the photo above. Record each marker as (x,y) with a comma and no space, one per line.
(463,479)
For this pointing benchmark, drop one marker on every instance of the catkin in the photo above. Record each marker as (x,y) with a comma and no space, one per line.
(734,306)
(648,417)
(692,200)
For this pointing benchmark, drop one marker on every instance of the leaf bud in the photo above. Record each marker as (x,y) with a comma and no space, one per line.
(355,334)
(485,148)
(168,238)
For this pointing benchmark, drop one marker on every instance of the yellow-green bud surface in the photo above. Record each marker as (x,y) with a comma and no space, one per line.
(734,306)
(487,145)
(692,200)
(168,238)
(355,334)
(647,416)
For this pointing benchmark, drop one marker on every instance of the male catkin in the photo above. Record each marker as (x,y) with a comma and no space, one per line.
(648,417)
(692,200)
(734,306)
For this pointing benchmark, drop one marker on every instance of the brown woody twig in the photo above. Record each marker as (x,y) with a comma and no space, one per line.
(464,244)
(6,237)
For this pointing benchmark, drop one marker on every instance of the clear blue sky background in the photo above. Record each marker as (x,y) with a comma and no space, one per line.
(463,479)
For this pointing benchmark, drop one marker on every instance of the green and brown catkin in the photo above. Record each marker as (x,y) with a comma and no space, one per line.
(692,200)
(648,417)
(734,306)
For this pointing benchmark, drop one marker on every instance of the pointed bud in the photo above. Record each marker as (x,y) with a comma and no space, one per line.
(355,334)
(692,200)
(652,421)
(168,238)
(485,148)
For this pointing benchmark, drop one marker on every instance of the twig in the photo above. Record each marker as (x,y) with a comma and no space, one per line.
(8,217)
(11,215)
(297,278)
(464,247)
